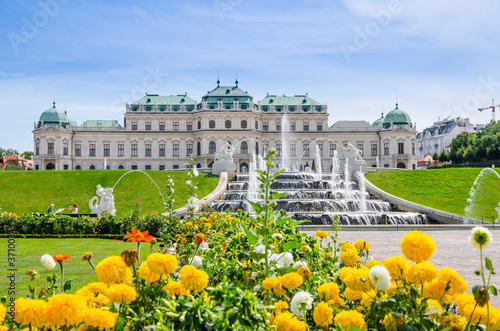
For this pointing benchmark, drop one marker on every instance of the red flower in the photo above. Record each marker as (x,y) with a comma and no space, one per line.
(136,236)
(200,237)
(60,257)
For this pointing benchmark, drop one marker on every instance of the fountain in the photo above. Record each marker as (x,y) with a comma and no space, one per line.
(284,142)
(473,208)
(319,170)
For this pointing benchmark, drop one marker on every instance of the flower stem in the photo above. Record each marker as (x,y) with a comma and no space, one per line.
(62,276)
(138,253)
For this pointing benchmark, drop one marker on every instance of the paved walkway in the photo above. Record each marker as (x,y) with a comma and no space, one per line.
(453,250)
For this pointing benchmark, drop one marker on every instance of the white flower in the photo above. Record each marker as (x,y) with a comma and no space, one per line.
(48,262)
(254,274)
(282,260)
(172,249)
(204,246)
(287,259)
(380,277)
(301,302)
(195,172)
(197,261)
(192,202)
(171,181)
(171,190)
(259,249)
(480,237)
(277,235)
(299,264)
(188,182)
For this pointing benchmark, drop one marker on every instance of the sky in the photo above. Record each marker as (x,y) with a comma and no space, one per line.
(435,58)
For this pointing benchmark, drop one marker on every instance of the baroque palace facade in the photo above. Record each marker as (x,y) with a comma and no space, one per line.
(160,132)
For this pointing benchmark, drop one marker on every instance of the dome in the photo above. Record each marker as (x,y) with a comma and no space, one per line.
(396,117)
(379,121)
(53,117)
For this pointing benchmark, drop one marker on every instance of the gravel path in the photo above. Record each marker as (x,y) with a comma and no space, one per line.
(453,250)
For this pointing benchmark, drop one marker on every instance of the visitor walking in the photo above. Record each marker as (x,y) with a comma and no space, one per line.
(74,209)
(4,159)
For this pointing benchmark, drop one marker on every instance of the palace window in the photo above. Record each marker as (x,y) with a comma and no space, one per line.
(176,126)
(401,148)
(278,149)
(413,148)
(162,167)
(134,149)
(333,147)
(211,124)
(292,126)
(244,147)
(162,126)
(148,167)
(162,149)
(37,152)
(199,125)
(65,149)
(106,149)
(78,149)
(374,149)
(92,150)
(265,126)
(148,126)
(361,148)
(320,147)
(386,149)
(189,148)
(228,124)
(211,147)
(292,150)
(189,126)
(121,150)
(243,124)
(134,167)
(50,148)
(306,126)
(319,126)
(175,150)
(148,150)
(278,126)
(306,150)
(134,125)
(198,148)
(256,125)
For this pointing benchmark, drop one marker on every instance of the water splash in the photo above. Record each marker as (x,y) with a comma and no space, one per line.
(363,192)
(347,182)
(138,170)
(473,209)
(319,170)
(334,181)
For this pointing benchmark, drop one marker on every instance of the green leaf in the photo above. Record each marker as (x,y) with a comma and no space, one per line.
(255,206)
(264,231)
(408,328)
(67,285)
(489,266)
(296,223)
(283,220)
(494,289)
(389,303)
(291,245)
(232,317)
(277,195)
(252,238)
(475,291)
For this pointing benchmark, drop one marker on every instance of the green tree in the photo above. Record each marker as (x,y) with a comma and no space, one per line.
(435,157)
(442,156)
(28,155)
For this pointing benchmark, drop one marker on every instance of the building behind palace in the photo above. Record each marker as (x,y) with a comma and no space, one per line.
(160,132)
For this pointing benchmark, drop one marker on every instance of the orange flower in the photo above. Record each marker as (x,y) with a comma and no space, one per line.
(60,257)
(200,237)
(136,236)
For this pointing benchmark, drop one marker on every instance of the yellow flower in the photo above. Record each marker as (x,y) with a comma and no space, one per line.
(99,318)
(175,288)
(92,288)
(278,309)
(390,321)
(291,280)
(457,283)
(435,290)
(65,309)
(362,245)
(396,266)
(421,273)
(417,246)
(373,263)
(345,246)
(328,291)
(323,314)
(30,311)
(121,293)
(3,311)
(305,273)
(321,234)
(368,297)
(453,322)
(433,305)
(289,322)
(356,279)
(275,284)
(349,257)
(464,300)
(193,279)
(352,295)
(350,319)
(149,276)
(113,270)
(189,224)
(163,264)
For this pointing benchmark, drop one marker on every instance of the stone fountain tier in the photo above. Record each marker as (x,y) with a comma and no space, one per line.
(319,199)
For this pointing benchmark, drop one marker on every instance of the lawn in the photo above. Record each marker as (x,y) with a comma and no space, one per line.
(29,251)
(444,189)
(34,191)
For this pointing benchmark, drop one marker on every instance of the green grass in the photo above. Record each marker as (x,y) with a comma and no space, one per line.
(444,189)
(29,251)
(34,191)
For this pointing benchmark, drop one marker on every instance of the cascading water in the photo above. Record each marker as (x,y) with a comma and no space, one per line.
(151,179)
(253,183)
(347,182)
(334,182)
(362,188)
(473,208)
(319,171)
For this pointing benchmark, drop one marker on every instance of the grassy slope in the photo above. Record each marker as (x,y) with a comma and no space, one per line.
(29,251)
(444,189)
(34,191)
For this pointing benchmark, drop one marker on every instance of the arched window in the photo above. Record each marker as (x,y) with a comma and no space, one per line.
(198,148)
(243,124)
(50,166)
(401,165)
(211,147)
(199,125)
(198,165)
(244,148)
(120,167)
(228,124)
(211,124)
(244,167)
(78,167)
(92,167)
(256,125)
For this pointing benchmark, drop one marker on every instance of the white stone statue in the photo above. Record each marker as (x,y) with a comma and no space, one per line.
(354,159)
(223,161)
(225,153)
(106,204)
(352,153)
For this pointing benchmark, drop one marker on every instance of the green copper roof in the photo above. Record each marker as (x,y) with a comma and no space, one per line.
(396,117)
(379,121)
(226,91)
(101,124)
(296,100)
(54,116)
(151,99)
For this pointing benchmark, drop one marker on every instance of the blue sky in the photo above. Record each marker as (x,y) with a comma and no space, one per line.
(437,58)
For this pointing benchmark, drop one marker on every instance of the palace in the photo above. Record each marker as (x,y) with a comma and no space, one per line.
(160,132)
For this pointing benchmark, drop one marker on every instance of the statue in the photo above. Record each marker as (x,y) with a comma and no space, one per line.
(225,153)
(223,161)
(106,204)
(354,159)
(352,153)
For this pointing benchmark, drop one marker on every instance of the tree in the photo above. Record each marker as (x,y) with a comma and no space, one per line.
(435,157)
(442,156)
(28,155)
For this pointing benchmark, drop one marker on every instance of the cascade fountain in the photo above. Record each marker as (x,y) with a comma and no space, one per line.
(472,208)
(319,170)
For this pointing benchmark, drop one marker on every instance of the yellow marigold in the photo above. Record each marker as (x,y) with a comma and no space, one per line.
(453,322)
(3,311)
(337,302)
(417,246)
(99,318)
(162,264)
(350,257)
(6,328)
(193,279)
(321,234)
(390,321)
(352,295)
(189,224)
(66,309)
(149,276)
(93,288)
(278,309)
(345,246)
(433,305)
(305,273)
(421,273)
(397,266)
(275,284)
(368,297)
(97,301)
(435,290)
(463,300)
(328,291)
(362,245)
(357,279)
(30,311)
(373,263)
(291,280)
(112,270)
(323,315)
(121,293)
(289,322)
(457,283)
(478,315)
(175,288)
(350,319)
